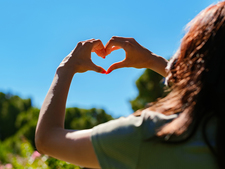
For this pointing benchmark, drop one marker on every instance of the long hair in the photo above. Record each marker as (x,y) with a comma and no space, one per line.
(197,75)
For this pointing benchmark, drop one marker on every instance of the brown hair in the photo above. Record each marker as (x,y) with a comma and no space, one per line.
(197,74)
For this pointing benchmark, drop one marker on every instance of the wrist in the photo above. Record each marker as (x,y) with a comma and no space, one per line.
(158,64)
(63,71)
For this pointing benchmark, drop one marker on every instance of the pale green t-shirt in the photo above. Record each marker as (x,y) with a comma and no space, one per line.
(130,143)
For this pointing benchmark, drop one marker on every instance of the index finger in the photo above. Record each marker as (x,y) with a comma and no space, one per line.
(98,48)
(114,43)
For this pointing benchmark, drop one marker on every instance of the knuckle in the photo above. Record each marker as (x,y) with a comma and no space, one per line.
(79,43)
(132,39)
(114,37)
(97,40)
(127,45)
(88,43)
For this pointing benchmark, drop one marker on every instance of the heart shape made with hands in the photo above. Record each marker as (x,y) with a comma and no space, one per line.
(136,55)
(108,62)
(103,52)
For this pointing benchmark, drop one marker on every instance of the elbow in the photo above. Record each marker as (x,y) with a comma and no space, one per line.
(41,142)
(45,140)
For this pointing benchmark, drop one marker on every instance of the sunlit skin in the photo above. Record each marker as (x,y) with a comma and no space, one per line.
(136,56)
(99,49)
(75,146)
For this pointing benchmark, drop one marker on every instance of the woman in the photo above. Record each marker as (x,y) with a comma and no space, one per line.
(183,130)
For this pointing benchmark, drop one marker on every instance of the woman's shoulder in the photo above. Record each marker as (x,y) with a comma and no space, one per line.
(156,118)
(153,121)
(145,125)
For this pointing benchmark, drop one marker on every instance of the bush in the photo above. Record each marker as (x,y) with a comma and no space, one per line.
(27,158)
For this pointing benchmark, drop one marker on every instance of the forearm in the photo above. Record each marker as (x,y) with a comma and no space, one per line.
(51,138)
(53,109)
(158,64)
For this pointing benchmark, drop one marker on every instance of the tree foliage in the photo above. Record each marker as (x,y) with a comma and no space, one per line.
(18,120)
(150,86)
(77,118)
(10,107)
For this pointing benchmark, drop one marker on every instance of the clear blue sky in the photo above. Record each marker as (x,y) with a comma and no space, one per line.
(36,35)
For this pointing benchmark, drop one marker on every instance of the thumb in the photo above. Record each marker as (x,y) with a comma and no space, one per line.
(98,69)
(108,51)
(116,65)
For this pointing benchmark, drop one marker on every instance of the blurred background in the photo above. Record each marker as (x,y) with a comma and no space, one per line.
(36,35)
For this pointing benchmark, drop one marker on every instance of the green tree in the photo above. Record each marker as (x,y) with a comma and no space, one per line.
(10,107)
(77,118)
(18,120)
(150,86)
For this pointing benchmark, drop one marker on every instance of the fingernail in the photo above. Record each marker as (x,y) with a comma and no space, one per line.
(103,72)
(108,71)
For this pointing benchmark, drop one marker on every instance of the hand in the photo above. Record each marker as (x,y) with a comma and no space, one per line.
(79,60)
(136,55)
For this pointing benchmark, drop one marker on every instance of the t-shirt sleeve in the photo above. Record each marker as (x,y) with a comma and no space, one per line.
(117,142)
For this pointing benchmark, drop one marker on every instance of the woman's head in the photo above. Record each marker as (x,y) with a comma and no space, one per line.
(197,71)
(197,75)
(202,48)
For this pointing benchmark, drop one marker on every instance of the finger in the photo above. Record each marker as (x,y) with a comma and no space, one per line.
(96,68)
(98,48)
(116,66)
(117,43)
(113,43)
(99,69)
(114,48)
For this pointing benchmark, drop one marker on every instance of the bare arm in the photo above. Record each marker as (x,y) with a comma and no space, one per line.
(136,56)
(51,138)
(75,146)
